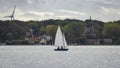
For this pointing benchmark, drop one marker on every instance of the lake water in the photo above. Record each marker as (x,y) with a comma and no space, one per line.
(46,57)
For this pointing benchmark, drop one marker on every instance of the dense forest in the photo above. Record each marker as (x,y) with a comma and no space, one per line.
(73,29)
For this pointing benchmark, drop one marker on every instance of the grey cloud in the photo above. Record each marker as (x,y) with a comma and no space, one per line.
(91,7)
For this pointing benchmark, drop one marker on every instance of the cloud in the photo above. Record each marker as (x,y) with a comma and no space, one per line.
(50,15)
(63,17)
(41,13)
(108,14)
(52,9)
(29,1)
(73,12)
(103,1)
(110,10)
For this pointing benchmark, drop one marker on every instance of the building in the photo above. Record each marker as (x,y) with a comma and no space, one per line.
(45,40)
(29,36)
(106,41)
(89,34)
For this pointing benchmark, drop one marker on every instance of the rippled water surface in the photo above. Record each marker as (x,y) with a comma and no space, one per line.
(46,57)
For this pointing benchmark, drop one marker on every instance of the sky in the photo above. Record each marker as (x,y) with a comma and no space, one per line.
(104,10)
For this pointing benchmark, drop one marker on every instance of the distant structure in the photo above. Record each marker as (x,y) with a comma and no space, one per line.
(12,15)
(106,41)
(89,33)
(45,40)
(29,36)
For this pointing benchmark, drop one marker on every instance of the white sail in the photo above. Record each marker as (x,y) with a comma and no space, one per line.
(59,37)
(65,43)
(60,40)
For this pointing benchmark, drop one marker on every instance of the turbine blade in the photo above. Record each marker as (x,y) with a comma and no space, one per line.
(7,16)
(13,11)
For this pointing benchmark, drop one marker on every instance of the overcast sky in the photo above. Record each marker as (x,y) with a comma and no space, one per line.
(104,10)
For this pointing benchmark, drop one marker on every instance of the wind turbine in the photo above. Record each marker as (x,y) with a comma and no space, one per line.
(12,16)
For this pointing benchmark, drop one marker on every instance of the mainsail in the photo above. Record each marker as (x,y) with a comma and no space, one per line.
(60,40)
(59,37)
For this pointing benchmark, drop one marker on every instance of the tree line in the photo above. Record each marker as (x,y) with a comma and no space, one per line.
(72,28)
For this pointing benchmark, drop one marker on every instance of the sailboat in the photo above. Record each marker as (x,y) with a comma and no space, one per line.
(60,41)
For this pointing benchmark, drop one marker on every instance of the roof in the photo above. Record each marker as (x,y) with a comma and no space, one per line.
(107,40)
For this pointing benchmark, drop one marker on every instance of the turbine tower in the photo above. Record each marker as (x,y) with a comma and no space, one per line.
(12,15)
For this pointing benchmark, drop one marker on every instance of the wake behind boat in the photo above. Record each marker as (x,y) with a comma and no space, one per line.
(60,41)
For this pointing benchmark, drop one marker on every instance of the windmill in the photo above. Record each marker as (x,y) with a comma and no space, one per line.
(12,16)
(89,30)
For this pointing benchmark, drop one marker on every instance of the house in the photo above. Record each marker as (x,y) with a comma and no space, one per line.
(45,39)
(107,41)
(29,36)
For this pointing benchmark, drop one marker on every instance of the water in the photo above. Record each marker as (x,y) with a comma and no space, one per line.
(46,57)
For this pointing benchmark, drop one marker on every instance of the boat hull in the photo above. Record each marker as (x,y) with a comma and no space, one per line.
(61,49)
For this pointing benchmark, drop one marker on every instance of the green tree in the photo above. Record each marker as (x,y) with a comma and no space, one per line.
(35,27)
(112,30)
(51,30)
(74,32)
(10,36)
